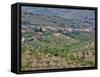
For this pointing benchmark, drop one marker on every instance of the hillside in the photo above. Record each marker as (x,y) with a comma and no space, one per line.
(43,20)
(57,51)
(52,39)
(71,15)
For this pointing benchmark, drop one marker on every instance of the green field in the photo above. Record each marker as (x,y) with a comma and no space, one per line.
(56,50)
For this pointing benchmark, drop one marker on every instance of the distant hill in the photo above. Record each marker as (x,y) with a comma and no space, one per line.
(44,20)
(71,17)
(53,21)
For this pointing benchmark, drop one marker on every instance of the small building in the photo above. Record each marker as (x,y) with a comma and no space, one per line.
(23,39)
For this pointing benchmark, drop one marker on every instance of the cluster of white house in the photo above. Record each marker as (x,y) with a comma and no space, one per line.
(38,35)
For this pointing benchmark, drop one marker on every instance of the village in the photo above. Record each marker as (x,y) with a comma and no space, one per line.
(62,30)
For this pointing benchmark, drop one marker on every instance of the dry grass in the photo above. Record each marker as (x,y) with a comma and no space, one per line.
(38,61)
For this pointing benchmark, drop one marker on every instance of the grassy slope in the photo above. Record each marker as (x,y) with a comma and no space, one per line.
(74,52)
